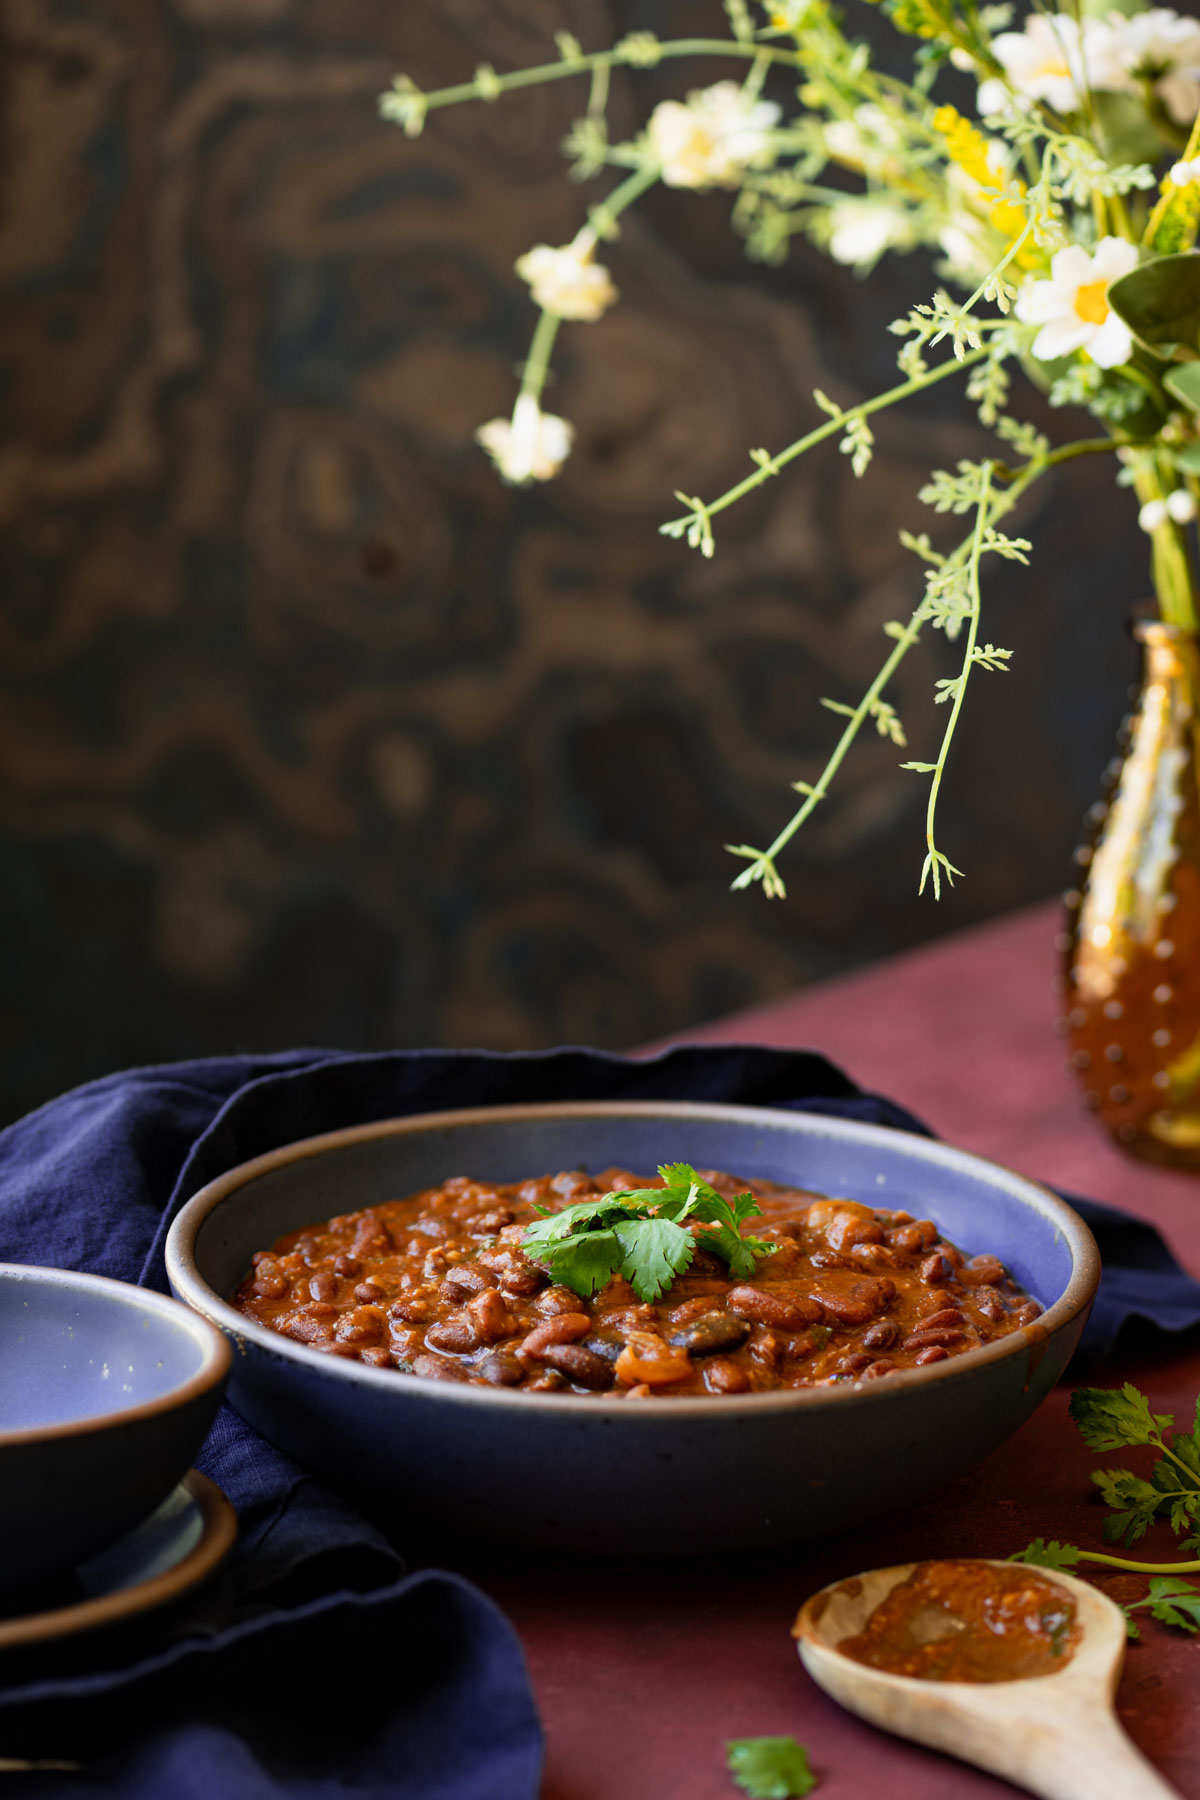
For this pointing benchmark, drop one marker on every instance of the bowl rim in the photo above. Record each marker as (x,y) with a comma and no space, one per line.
(215,1361)
(191,1286)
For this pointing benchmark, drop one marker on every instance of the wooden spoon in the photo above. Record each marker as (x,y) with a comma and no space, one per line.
(1055,1735)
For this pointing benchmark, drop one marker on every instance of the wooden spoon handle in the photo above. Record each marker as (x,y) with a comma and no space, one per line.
(1089,1758)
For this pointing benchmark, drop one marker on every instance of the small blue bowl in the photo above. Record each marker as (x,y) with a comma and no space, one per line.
(108,1392)
(570,1472)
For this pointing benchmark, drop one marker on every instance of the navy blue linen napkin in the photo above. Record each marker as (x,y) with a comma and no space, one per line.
(314,1666)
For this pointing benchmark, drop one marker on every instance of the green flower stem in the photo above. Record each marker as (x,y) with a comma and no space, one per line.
(1174,586)
(602,219)
(537,363)
(772,465)
(1141,1568)
(601,223)
(764,865)
(632,54)
(934,861)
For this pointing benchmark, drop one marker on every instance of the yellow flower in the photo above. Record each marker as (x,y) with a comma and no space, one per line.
(971,152)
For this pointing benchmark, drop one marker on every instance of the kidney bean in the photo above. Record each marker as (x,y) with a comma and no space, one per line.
(372,1237)
(934,1354)
(847,1229)
(952,1255)
(439,1367)
(523,1280)
(487,1223)
(368,1292)
(762,1306)
(948,1316)
(1026,1314)
(854,1365)
(375,1356)
(923,1340)
(608,1348)
(557,1300)
(714,1331)
(986,1269)
(629,1318)
(456,1334)
(881,1336)
(920,1235)
(564,1328)
(858,1301)
(990,1303)
(876,1256)
(307,1330)
(935,1268)
(348,1266)
(491,1317)
(580,1365)
(723,1376)
(503,1368)
(270,1283)
(362,1326)
(829,1259)
(414,1309)
(765,1348)
(323,1287)
(470,1278)
(696,1308)
(874,1370)
(647,1357)
(550,1381)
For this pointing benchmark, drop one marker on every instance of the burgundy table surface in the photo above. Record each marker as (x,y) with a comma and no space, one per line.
(643,1672)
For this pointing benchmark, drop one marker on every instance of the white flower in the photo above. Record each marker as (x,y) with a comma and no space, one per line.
(1184,173)
(1162,47)
(871,141)
(1153,514)
(1072,307)
(1053,60)
(1181,506)
(861,230)
(531,446)
(566,281)
(714,138)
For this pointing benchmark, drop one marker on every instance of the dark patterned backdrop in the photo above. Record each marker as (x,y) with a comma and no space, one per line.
(310,731)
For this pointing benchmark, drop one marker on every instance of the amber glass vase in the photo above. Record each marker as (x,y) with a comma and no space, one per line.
(1132,948)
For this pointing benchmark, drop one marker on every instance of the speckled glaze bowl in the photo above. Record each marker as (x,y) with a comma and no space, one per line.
(570,1471)
(108,1392)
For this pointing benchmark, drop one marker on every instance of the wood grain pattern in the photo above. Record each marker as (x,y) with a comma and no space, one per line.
(311,731)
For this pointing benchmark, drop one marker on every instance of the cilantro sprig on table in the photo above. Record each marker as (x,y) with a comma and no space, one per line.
(644,1234)
(1121,1419)
(770,1768)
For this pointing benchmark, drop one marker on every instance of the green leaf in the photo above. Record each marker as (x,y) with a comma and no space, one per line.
(1043,1555)
(1183,383)
(1135,1503)
(555,1225)
(1115,1418)
(1160,303)
(1187,459)
(654,1252)
(585,1263)
(770,1768)
(1174,1602)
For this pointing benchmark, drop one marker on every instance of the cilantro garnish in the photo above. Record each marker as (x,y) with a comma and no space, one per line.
(643,1234)
(1120,1419)
(770,1768)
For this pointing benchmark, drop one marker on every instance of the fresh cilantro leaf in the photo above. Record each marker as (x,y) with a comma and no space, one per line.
(584,1263)
(1052,1555)
(1135,1504)
(770,1768)
(1174,1602)
(654,1252)
(587,1214)
(1115,1418)
(1131,1627)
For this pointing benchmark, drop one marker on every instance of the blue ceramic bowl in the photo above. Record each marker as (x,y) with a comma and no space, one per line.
(108,1392)
(572,1471)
